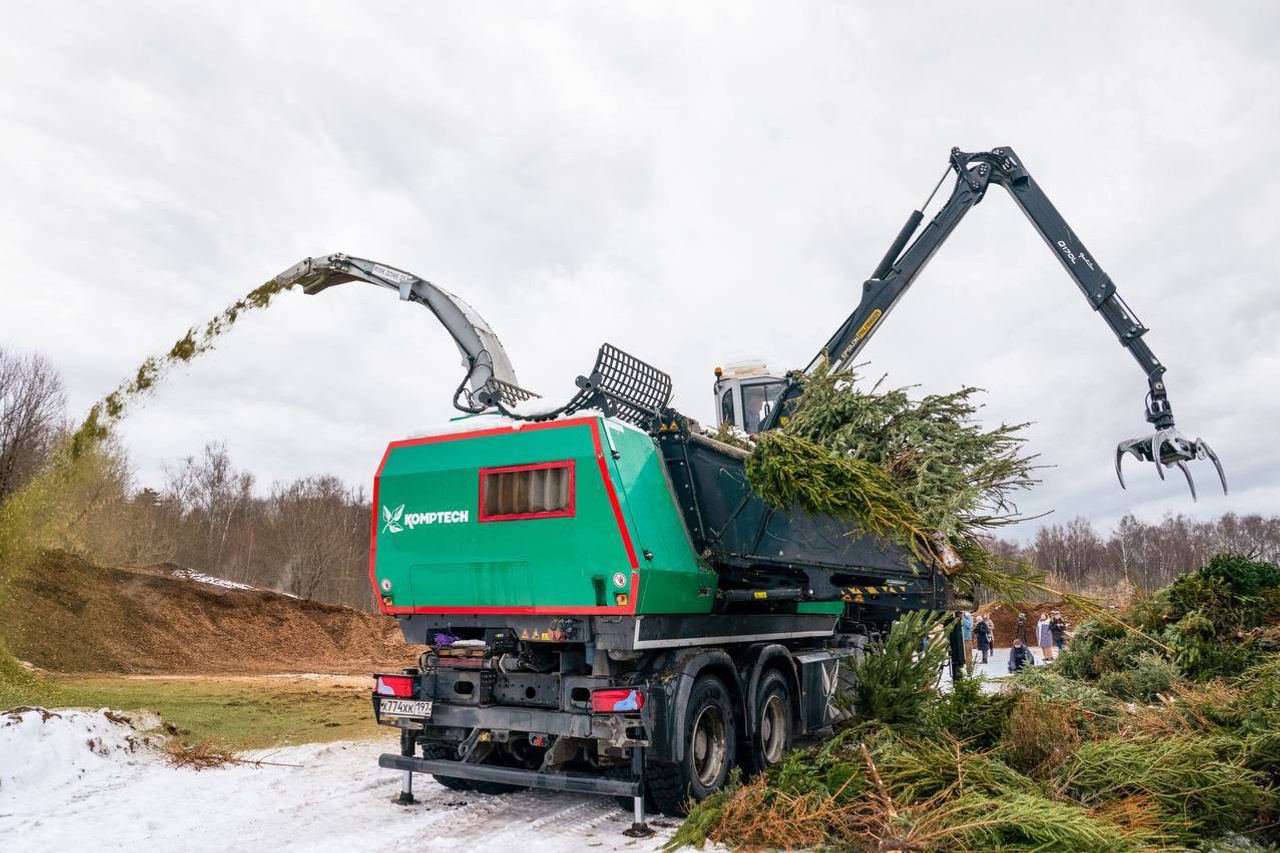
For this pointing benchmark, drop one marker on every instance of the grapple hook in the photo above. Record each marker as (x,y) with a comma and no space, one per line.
(1186,472)
(1204,451)
(1168,448)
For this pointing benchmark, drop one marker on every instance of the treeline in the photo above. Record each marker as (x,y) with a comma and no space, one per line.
(308,537)
(1140,555)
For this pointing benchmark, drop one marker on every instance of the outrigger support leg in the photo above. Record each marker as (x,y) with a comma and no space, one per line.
(639,829)
(408,745)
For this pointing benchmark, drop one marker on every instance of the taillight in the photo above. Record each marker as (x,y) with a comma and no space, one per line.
(616,701)
(394,685)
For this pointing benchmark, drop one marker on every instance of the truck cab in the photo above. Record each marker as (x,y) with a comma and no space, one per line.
(745,393)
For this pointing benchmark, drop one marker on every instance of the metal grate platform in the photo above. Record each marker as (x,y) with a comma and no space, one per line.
(623,387)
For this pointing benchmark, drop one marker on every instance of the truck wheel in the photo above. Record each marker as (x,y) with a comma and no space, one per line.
(710,740)
(771,739)
(434,751)
(498,757)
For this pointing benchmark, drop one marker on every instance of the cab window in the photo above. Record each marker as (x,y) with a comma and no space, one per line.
(726,407)
(757,403)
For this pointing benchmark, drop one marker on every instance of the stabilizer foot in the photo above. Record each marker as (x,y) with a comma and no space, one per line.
(405,797)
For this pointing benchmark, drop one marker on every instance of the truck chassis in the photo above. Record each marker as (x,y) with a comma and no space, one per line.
(708,693)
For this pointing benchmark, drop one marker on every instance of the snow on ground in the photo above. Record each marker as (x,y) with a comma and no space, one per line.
(999,663)
(995,670)
(52,750)
(75,780)
(998,667)
(200,577)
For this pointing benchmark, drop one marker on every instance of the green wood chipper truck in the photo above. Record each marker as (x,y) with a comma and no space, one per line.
(603,603)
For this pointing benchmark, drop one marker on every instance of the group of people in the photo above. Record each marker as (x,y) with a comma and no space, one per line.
(1051,634)
(979,635)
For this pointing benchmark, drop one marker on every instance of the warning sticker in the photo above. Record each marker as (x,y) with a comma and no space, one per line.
(871,321)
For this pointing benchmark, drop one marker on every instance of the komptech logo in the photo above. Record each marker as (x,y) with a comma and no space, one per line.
(391,519)
(395,520)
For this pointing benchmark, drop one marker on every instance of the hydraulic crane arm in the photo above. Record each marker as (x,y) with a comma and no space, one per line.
(902,264)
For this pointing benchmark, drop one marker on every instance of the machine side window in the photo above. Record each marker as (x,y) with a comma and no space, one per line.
(726,407)
(543,490)
(757,403)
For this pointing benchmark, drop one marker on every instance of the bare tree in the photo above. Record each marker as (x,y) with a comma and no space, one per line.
(150,520)
(1144,556)
(32,408)
(312,525)
(213,497)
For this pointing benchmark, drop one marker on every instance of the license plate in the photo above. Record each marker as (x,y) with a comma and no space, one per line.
(405,708)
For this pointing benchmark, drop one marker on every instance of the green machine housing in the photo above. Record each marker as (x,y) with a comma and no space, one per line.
(592,516)
(570,517)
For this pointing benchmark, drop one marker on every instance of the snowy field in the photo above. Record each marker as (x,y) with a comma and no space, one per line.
(994,671)
(88,781)
(998,667)
(78,781)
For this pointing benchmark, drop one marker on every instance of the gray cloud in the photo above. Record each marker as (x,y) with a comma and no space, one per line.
(693,183)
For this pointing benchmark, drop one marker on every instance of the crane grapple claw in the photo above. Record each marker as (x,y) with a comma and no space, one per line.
(1186,472)
(1168,448)
(1204,451)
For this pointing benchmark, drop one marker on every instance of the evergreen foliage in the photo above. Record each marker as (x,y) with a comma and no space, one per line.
(920,473)
(896,681)
(960,478)
(1125,744)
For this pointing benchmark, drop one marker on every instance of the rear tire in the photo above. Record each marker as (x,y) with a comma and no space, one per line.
(436,751)
(771,739)
(710,747)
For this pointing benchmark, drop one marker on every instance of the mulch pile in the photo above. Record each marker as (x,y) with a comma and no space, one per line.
(69,615)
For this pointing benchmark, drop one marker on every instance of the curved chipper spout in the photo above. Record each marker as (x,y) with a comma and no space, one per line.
(489,371)
(1168,448)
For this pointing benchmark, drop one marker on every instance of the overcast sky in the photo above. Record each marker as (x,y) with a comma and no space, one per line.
(693,182)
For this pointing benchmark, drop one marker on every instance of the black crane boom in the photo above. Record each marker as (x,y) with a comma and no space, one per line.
(906,259)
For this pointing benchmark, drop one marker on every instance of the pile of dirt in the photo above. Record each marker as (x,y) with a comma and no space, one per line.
(69,615)
(1005,617)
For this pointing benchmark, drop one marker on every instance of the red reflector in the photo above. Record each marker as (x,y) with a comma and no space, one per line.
(616,701)
(394,685)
